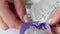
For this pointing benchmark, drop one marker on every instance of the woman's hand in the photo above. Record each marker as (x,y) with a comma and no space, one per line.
(11,18)
(55,19)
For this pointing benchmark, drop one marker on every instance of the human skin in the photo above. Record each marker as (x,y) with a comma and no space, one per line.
(8,18)
(55,19)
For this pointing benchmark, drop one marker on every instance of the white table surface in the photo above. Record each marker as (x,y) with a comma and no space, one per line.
(10,31)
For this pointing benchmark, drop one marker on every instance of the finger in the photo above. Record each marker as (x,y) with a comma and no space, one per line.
(55,18)
(56,30)
(26,18)
(3,25)
(20,8)
(8,17)
(3,3)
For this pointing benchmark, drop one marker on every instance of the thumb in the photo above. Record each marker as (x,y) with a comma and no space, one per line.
(55,18)
(26,18)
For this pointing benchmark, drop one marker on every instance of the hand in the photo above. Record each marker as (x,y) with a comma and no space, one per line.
(55,19)
(11,18)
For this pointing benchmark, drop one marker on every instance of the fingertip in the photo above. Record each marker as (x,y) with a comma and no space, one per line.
(51,21)
(26,18)
(54,20)
(3,26)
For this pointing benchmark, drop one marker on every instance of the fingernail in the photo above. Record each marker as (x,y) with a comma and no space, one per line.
(51,21)
(26,18)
